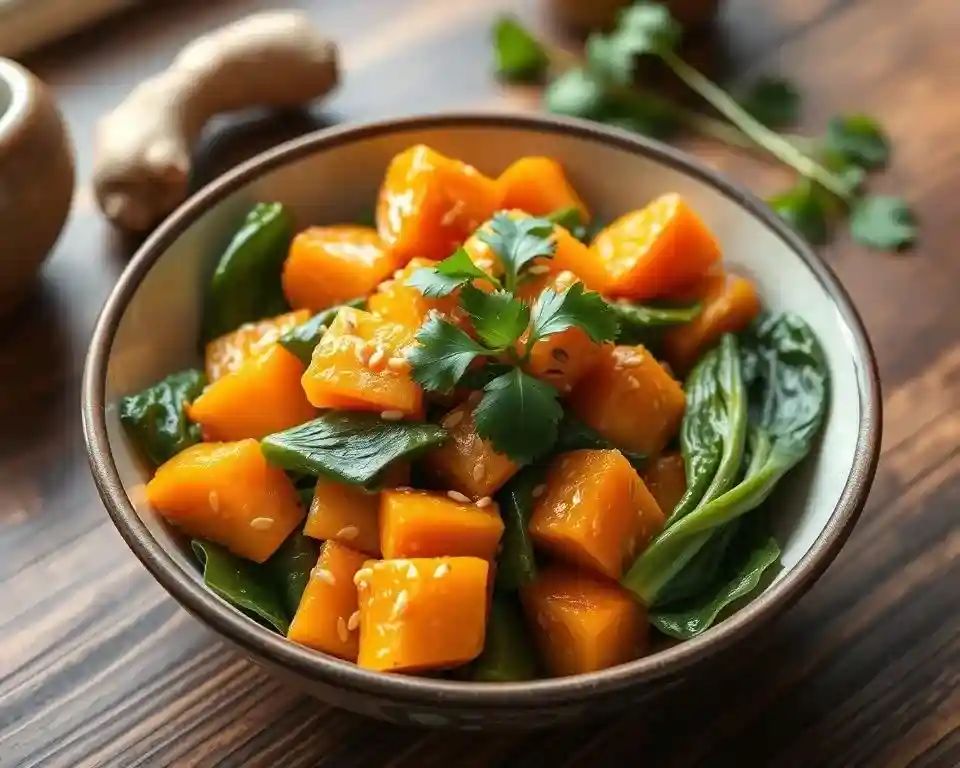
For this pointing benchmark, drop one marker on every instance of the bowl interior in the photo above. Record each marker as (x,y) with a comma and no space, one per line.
(336,180)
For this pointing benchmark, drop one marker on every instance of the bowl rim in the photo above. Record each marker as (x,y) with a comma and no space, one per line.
(266,645)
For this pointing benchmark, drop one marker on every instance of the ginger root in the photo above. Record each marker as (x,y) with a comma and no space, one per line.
(142,158)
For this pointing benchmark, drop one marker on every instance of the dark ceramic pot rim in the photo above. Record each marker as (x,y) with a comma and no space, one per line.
(263,644)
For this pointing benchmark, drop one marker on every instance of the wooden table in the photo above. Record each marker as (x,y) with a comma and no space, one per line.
(99,667)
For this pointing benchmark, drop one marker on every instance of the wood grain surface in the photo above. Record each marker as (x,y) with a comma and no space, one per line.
(99,667)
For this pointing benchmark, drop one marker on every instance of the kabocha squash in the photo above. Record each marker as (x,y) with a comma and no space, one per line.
(655,251)
(428,524)
(538,186)
(465,462)
(228,494)
(665,478)
(729,303)
(595,512)
(359,365)
(327,266)
(582,623)
(423,613)
(328,616)
(226,353)
(630,399)
(397,302)
(429,204)
(261,396)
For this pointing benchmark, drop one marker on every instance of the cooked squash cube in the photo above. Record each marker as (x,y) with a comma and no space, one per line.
(666,479)
(538,186)
(353,366)
(327,266)
(630,399)
(229,494)
(422,613)
(225,353)
(429,204)
(425,524)
(595,512)
(465,462)
(328,616)
(582,623)
(262,396)
(397,302)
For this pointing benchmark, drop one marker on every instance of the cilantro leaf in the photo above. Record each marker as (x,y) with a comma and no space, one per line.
(859,139)
(576,93)
(574,308)
(447,276)
(610,57)
(498,318)
(519,56)
(773,101)
(804,207)
(643,28)
(883,222)
(519,415)
(517,242)
(443,355)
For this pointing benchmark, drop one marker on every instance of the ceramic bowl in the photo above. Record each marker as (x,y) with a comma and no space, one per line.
(150,324)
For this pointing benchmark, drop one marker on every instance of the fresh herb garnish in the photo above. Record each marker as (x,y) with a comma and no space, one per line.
(447,276)
(519,55)
(773,101)
(517,242)
(860,140)
(883,222)
(443,355)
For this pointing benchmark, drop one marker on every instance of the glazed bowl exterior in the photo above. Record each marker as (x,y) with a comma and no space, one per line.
(150,324)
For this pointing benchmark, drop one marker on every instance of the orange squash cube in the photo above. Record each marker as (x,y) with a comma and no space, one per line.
(595,512)
(655,251)
(422,613)
(397,302)
(538,186)
(630,399)
(328,616)
(729,303)
(582,623)
(424,524)
(229,494)
(665,478)
(225,353)
(352,366)
(465,462)
(262,396)
(327,266)
(429,204)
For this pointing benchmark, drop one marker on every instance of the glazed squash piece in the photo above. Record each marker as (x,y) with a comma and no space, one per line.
(427,524)
(262,396)
(655,251)
(227,493)
(538,186)
(327,618)
(465,462)
(429,204)
(595,512)
(397,302)
(423,613)
(327,266)
(630,399)
(665,478)
(729,303)
(359,365)
(226,353)
(582,623)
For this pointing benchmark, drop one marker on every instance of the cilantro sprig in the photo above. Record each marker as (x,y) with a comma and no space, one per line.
(517,412)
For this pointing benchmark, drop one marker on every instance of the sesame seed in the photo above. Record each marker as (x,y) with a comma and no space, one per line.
(385,286)
(452,419)
(363,353)
(485,502)
(261,523)
(361,576)
(324,575)
(539,269)
(397,274)
(214,500)
(377,360)
(442,570)
(457,496)
(354,621)
(479,472)
(401,605)
(632,383)
(391,415)
(566,275)
(383,652)
(342,630)
(412,571)
(398,364)
(539,491)
(348,532)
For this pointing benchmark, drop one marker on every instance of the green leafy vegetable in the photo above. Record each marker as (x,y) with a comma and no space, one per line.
(576,93)
(156,420)
(574,435)
(303,338)
(498,318)
(571,219)
(517,242)
(702,572)
(638,319)
(773,101)
(246,282)
(805,208)
(519,55)
(573,308)
(508,654)
(244,584)
(447,276)
(289,568)
(516,564)
(883,222)
(519,415)
(351,448)
(859,139)
(443,355)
